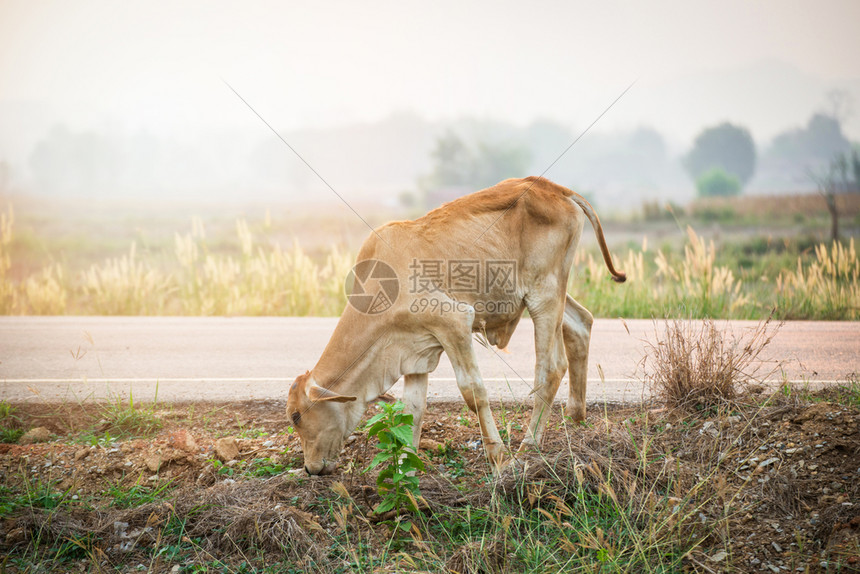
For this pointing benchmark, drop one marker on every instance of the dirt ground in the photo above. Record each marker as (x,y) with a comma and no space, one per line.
(784,476)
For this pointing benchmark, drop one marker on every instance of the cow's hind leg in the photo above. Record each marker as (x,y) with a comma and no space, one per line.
(415,401)
(550,366)
(577,334)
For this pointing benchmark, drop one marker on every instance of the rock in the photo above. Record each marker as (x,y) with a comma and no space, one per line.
(227,449)
(183,440)
(152,461)
(776,546)
(430,444)
(718,557)
(38,434)
(16,536)
(82,453)
(768,462)
(710,428)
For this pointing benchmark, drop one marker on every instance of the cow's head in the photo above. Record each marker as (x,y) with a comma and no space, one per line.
(322,422)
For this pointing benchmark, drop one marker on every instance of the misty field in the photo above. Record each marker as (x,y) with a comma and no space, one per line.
(248,265)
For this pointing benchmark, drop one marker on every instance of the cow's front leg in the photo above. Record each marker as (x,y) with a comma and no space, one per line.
(455,335)
(415,401)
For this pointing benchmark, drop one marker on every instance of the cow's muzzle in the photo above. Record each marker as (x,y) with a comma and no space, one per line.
(321,470)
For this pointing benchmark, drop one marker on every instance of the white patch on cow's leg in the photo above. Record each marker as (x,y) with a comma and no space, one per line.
(549,369)
(577,335)
(415,401)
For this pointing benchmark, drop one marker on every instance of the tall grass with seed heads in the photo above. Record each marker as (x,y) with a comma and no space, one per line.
(828,287)
(257,276)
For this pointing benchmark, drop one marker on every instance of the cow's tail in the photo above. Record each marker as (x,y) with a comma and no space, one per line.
(617,276)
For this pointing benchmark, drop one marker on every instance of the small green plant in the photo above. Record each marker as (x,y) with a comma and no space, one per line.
(6,411)
(396,483)
(11,435)
(451,461)
(94,438)
(848,393)
(253,433)
(136,495)
(221,468)
(263,467)
(123,420)
(10,429)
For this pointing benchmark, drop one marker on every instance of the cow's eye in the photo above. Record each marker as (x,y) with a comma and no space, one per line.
(296,417)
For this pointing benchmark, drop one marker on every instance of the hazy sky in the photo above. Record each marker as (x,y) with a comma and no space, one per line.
(159,65)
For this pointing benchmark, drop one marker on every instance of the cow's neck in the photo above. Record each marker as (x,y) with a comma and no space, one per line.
(358,360)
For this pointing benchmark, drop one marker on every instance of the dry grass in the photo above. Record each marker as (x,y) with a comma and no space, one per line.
(253,274)
(631,490)
(699,366)
(774,206)
(830,284)
(221,518)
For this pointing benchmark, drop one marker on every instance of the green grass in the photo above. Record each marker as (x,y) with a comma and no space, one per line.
(10,424)
(123,420)
(137,494)
(11,436)
(848,394)
(34,494)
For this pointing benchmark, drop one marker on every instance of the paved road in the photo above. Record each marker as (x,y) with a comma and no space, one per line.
(223,359)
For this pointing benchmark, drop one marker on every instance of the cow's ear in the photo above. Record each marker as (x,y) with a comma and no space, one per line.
(301,383)
(318,393)
(386,398)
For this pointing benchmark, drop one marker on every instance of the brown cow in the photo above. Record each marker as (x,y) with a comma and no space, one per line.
(425,286)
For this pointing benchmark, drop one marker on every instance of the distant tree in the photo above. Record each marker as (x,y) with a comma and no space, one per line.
(453,164)
(648,143)
(495,162)
(456,164)
(817,143)
(726,146)
(717,183)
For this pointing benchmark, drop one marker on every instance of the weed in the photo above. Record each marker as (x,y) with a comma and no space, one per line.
(253,433)
(121,420)
(136,495)
(451,461)
(263,467)
(10,424)
(10,436)
(697,367)
(396,483)
(7,411)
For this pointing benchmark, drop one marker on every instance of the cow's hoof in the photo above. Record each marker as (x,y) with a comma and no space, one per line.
(575,413)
